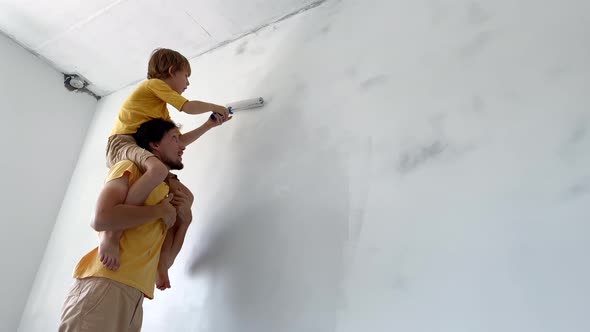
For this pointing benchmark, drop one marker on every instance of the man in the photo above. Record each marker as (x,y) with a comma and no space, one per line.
(105,300)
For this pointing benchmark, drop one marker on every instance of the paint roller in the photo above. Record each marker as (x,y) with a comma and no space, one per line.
(245,104)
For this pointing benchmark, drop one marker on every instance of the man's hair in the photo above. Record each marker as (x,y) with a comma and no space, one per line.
(162,60)
(152,131)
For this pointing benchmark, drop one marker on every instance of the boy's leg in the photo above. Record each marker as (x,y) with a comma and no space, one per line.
(101,305)
(175,235)
(162,279)
(155,173)
(108,249)
(170,249)
(124,147)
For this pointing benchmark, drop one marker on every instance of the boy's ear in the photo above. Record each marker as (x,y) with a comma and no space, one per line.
(171,70)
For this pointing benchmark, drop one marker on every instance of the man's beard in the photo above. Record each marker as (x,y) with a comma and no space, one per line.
(175,165)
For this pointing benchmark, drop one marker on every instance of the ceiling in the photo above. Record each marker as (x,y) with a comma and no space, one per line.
(108,42)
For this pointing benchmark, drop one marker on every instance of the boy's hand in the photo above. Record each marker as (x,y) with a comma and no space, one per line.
(223,111)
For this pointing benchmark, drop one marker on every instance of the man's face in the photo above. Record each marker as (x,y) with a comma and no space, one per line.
(170,149)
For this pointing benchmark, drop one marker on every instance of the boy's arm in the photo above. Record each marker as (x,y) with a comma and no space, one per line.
(169,96)
(199,107)
(112,215)
(191,136)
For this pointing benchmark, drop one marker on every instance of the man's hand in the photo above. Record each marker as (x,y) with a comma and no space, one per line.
(216,120)
(168,211)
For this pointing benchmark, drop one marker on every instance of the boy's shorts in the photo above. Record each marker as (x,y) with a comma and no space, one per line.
(124,147)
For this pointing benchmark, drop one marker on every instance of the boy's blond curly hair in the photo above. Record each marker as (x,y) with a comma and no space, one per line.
(162,60)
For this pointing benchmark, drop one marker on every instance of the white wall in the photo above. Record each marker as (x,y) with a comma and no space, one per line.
(44,126)
(420,166)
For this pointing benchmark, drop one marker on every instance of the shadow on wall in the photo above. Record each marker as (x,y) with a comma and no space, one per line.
(276,257)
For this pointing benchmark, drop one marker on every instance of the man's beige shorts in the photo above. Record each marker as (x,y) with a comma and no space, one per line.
(124,147)
(101,305)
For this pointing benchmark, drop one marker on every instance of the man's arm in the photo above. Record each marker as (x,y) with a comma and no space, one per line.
(191,136)
(112,215)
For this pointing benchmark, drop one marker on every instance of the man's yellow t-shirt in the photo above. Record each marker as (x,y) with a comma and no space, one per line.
(147,102)
(139,246)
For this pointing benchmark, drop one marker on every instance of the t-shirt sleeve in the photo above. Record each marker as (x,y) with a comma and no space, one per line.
(166,94)
(121,168)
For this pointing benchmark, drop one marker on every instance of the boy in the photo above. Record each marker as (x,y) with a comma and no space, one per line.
(168,73)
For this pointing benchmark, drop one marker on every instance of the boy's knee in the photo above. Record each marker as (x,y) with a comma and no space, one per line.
(157,168)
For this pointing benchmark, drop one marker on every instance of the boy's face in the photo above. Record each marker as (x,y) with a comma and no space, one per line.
(179,81)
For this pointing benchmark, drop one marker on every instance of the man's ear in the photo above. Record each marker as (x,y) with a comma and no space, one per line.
(153,146)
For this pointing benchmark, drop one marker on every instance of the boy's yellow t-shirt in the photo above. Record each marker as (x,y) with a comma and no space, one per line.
(147,102)
(139,247)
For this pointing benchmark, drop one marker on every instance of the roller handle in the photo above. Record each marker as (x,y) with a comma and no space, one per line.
(229,109)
